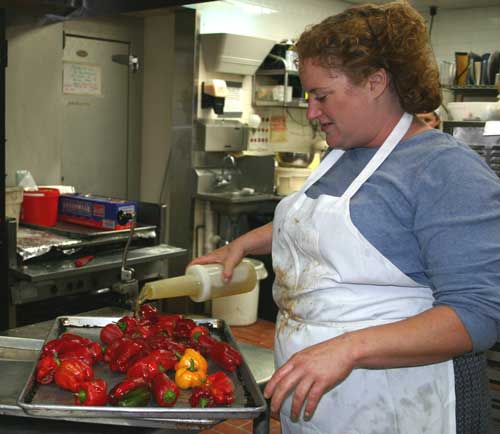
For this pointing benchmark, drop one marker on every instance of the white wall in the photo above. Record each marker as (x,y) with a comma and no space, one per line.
(475,29)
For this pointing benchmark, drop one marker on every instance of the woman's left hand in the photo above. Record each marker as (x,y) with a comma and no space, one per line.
(310,373)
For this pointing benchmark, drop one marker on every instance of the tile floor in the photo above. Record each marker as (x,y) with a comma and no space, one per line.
(261,334)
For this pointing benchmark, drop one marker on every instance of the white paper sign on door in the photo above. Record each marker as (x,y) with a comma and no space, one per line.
(81,79)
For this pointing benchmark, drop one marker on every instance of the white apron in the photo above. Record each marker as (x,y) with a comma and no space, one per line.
(331,280)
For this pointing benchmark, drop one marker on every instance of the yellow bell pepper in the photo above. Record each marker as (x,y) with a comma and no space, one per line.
(193,361)
(191,370)
(185,379)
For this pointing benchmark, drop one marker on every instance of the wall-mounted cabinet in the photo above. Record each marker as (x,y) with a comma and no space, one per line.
(278,88)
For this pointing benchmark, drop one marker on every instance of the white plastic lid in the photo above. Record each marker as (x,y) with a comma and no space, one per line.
(260,269)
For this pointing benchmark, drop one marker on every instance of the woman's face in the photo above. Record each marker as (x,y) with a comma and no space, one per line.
(344,111)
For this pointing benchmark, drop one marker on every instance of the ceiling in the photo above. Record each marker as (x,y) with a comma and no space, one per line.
(441,4)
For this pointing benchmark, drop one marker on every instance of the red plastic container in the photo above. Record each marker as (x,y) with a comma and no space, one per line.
(40,207)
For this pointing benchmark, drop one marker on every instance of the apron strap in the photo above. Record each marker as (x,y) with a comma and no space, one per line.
(383,152)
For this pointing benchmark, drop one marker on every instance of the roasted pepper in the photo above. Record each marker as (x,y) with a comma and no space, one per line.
(221,387)
(81,353)
(156,362)
(165,392)
(163,342)
(220,352)
(127,352)
(144,329)
(110,332)
(46,368)
(183,328)
(148,311)
(70,373)
(197,332)
(132,392)
(127,324)
(201,397)
(92,392)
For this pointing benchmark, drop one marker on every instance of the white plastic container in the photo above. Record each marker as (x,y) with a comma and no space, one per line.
(290,179)
(13,202)
(241,309)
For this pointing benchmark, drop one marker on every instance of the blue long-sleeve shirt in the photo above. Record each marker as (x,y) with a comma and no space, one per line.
(433,210)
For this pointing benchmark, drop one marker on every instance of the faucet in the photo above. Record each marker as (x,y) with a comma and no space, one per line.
(225,176)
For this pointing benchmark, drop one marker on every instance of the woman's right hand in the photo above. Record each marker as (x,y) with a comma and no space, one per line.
(229,256)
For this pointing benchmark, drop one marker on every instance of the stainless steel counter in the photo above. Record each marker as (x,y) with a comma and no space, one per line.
(19,350)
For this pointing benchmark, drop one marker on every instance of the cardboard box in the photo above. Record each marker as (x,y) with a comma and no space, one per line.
(95,211)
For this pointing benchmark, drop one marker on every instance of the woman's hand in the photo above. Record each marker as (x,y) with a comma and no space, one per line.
(229,256)
(310,373)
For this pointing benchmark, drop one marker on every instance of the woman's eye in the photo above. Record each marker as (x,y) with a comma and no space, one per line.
(320,98)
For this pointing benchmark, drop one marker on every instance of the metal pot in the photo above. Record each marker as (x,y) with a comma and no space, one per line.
(294,159)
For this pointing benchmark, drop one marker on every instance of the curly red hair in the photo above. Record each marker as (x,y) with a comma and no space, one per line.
(363,39)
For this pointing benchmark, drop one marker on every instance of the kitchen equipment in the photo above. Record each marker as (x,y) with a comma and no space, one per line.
(235,54)
(45,283)
(40,207)
(241,309)
(294,159)
(221,135)
(51,401)
(201,283)
(290,179)
(468,111)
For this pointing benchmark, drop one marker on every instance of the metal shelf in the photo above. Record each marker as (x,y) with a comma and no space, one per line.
(479,90)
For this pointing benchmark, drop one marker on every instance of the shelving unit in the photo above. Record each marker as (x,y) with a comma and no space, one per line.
(472,90)
(264,80)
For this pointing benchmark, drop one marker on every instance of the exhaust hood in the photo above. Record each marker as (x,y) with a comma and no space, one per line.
(234,54)
(70,9)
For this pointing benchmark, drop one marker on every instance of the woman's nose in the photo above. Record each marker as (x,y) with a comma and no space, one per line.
(313,111)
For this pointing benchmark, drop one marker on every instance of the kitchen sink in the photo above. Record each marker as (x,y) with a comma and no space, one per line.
(239,201)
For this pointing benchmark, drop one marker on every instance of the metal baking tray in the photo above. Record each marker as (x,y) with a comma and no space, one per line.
(51,401)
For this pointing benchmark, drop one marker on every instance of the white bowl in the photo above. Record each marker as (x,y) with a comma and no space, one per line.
(469,111)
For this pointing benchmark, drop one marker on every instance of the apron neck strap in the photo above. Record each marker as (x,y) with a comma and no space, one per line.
(383,152)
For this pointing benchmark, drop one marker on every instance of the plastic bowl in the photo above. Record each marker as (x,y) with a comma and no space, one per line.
(469,111)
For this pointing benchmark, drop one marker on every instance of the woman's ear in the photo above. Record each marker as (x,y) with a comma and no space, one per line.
(378,82)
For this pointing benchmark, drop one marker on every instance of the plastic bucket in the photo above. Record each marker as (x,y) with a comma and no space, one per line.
(40,207)
(241,309)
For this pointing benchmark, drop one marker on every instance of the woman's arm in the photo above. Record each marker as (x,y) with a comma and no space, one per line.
(255,242)
(430,337)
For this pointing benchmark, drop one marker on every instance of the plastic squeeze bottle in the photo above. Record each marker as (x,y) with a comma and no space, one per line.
(201,283)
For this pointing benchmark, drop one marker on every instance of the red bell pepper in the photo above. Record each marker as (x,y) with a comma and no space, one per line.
(165,392)
(46,368)
(199,331)
(183,328)
(132,392)
(163,342)
(127,352)
(110,332)
(220,352)
(59,345)
(92,392)
(143,329)
(148,311)
(75,338)
(70,373)
(156,362)
(221,387)
(127,324)
(201,397)
(81,353)
(166,323)
(95,349)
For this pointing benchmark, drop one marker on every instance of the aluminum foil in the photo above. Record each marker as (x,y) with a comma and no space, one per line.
(32,243)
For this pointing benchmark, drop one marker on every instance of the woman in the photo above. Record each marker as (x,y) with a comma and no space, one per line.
(387,260)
